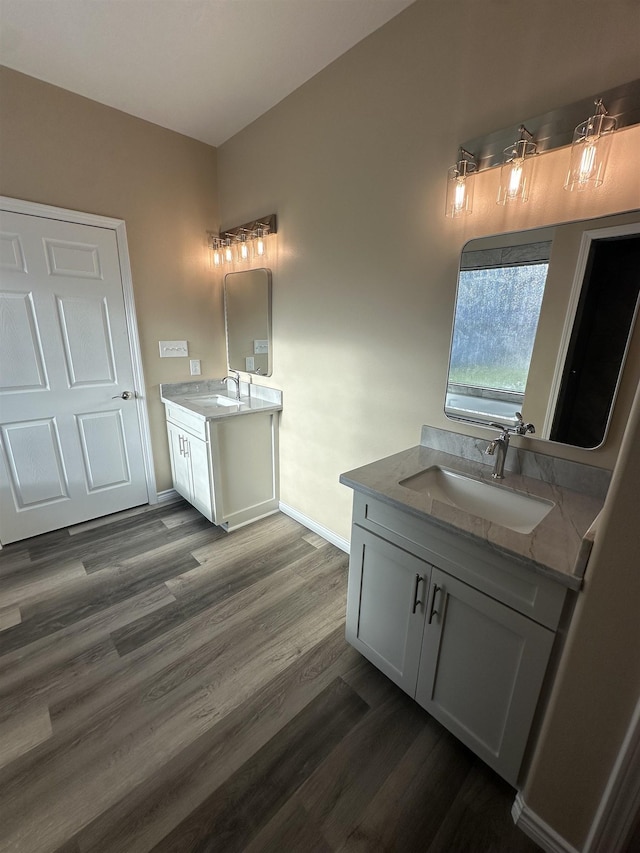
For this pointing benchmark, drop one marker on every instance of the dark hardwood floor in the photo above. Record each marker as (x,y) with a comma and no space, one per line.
(165,686)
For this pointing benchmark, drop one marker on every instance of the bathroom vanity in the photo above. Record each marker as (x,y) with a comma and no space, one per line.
(224,451)
(459,594)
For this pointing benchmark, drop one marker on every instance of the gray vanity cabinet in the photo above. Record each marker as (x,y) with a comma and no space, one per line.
(385,606)
(481,669)
(471,644)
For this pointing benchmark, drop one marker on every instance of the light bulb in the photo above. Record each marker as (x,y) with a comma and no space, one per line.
(516,171)
(515,179)
(459,194)
(587,162)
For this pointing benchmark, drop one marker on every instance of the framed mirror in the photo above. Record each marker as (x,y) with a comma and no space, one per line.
(247,310)
(543,323)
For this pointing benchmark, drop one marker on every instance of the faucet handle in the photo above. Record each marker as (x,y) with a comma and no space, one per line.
(522,428)
(505,429)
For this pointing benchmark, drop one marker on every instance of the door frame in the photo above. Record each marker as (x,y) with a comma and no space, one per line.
(30,208)
(588,237)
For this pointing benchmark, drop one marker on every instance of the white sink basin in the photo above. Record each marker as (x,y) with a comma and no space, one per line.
(212,400)
(515,510)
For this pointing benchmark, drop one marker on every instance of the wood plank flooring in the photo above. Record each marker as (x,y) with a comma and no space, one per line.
(165,686)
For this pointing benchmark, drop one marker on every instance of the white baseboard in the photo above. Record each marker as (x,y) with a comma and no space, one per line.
(168,496)
(539,831)
(327,534)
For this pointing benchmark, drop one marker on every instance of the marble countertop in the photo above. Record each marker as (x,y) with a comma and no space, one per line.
(560,544)
(253,398)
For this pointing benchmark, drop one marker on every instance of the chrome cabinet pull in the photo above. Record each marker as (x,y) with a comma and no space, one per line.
(416,600)
(187,447)
(433,612)
(181,444)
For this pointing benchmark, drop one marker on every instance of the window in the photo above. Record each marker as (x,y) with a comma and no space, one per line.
(497,310)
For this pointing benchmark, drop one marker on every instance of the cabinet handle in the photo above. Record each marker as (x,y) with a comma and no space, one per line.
(187,447)
(416,600)
(433,612)
(181,444)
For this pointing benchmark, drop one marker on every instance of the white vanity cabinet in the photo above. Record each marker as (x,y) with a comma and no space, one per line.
(460,628)
(227,467)
(191,468)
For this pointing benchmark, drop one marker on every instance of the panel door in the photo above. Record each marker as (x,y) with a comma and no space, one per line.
(68,450)
(481,671)
(385,606)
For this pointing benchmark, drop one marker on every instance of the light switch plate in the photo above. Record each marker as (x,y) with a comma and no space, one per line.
(260,347)
(173,349)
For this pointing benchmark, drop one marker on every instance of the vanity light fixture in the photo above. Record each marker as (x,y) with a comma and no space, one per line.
(459,188)
(243,245)
(590,150)
(515,174)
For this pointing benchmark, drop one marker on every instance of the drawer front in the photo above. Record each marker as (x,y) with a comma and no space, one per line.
(523,589)
(187,421)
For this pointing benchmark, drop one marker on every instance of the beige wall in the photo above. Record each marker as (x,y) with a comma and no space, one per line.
(354,164)
(60,149)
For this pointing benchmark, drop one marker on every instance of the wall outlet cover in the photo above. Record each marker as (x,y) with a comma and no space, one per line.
(250,363)
(194,367)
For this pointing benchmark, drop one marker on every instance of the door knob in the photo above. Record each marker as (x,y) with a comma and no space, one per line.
(126,395)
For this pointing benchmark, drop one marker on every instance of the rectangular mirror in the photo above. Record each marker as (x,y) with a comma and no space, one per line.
(247,309)
(542,325)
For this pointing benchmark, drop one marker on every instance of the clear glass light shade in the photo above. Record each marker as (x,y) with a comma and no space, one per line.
(516,172)
(243,249)
(589,153)
(261,241)
(460,189)
(216,254)
(228,251)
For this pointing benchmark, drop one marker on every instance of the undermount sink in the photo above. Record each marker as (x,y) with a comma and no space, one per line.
(213,400)
(497,504)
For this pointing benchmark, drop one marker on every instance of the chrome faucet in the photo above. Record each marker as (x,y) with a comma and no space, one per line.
(235,379)
(501,445)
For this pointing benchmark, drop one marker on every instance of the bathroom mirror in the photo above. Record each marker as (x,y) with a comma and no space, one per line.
(247,309)
(543,322)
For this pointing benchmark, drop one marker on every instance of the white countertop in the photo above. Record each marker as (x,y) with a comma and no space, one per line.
(560,544)
(253,398)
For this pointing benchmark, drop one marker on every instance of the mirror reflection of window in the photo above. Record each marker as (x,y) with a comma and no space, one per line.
(498,304)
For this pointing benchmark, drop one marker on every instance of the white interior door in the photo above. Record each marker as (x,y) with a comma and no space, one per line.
(71,445)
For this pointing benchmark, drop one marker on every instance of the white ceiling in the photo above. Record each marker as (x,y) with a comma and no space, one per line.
(205,68)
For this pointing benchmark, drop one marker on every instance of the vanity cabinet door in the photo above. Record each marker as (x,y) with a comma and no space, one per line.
(386,598)
(481,671)
(180,463)
(198,457)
